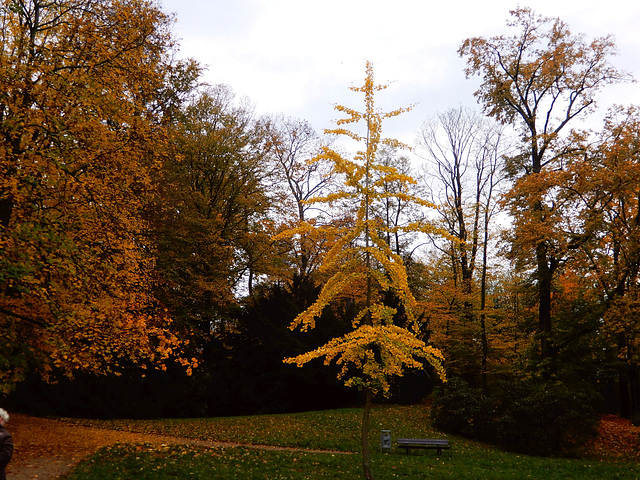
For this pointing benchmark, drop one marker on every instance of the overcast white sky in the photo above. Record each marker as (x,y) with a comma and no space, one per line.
(298,57)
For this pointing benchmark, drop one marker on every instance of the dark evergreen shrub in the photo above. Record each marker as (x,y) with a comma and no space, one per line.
(543,419)
(461,409)
(529,417)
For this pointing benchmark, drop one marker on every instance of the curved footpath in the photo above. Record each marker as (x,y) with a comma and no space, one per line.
(47,449)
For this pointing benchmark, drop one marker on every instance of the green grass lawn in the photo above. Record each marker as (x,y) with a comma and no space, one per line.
(327,430)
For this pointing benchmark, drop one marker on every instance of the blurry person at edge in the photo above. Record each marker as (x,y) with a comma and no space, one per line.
(6,444)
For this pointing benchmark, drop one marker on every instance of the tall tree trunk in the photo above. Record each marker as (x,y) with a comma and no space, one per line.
(625,396)
(545,275)
(366,453)
(629,391)
(6,207)
(485,350)
(483,301)
(634,390)
(628,384)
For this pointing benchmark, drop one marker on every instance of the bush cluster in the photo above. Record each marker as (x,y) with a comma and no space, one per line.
(529,417)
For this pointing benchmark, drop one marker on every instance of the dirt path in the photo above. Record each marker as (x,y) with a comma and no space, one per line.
(47,449)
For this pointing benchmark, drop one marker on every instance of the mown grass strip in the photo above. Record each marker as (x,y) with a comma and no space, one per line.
(146,462)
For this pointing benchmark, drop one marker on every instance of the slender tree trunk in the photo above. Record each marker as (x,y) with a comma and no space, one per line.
(485,351)
(634,390)
(366,453)
(483,300)
(625,396)
(250,282)
(483,320)
(625,383)
(364,439)
(6,207)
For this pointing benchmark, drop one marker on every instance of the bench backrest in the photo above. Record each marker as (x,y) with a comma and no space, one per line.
(423,441)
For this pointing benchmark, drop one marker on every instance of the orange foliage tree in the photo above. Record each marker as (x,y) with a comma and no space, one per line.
(363,267)
(83,97)
(542,79)
(607,191)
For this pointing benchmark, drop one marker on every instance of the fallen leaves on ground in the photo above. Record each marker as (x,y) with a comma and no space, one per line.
(617,439)
(52,448)
(39,437)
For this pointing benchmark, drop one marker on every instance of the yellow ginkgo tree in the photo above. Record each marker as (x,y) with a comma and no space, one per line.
(362,267)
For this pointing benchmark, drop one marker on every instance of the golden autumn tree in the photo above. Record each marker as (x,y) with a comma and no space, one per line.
(84,94)
(363,267)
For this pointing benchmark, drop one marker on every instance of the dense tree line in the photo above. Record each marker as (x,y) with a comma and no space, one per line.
(142,217)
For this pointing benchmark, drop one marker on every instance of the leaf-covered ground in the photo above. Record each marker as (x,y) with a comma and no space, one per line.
(617,439)
(46,449)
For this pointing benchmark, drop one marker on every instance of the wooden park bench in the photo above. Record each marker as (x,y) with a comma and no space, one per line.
(438,444)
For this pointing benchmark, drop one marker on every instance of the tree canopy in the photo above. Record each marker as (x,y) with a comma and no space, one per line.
(81,137)
(541,80)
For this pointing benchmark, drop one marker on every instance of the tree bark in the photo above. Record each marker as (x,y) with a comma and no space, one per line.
(366,453)
(483,302)
(545,277)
